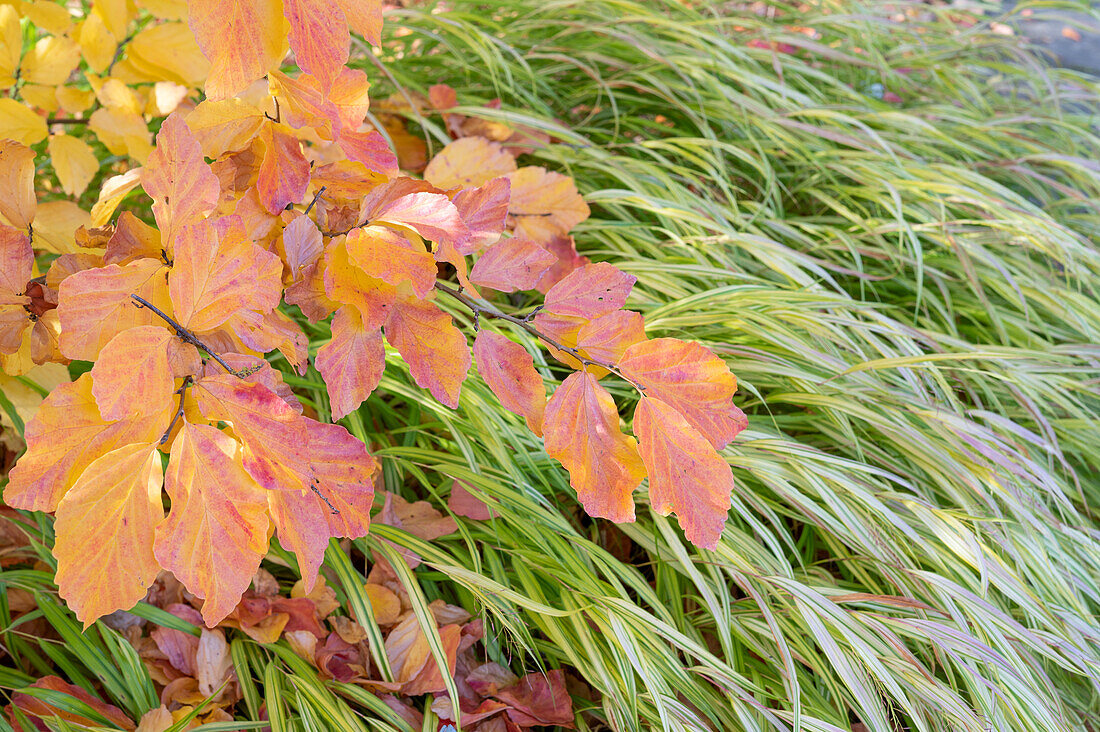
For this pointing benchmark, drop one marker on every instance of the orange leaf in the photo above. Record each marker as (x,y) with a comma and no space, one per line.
(467,163)
(484,210)
(42,710)
(18,204)
(132,377)
(216,532)
(589,292)
(302,244)
(568,260)
(431,215)
(544,204)
(332,113)
(407,649)
(16,268)
(218,271)
(94,305)
(104,529)
(692,380)
(365,18)
(225,125)
(509,371)
(133,239)
(388,255)
(435,350)
(607,337)
(243,39)
(284,172)
(346,283)
(183,188)
(686,474)
(351,363)
(64,437)
(512,264)
(582,433)
(370,149)
(319,37)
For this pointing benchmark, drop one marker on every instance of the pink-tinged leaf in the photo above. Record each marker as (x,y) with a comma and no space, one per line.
(607,337)
(16,264)
(303,245)
(539,700)
(95,305)
(509,371)
(341,472)
(332,113)
(351,363)
(284,172)
(65,436)
(259,371)
(308,293)
(463,503)
(389,255)
(181,184)
(419,518)
(565,250)
(270,331)
(132,376)
(582,433)
(13,324)
(319,37)
(484,210)
(692,380)
(511,264)
(370,149)
(544,204)
(216,532)
(347,284)
(132,240)
(589,292)
(219,271)
(435,350)
(243,39)
(105,527)
(431,215)
(442,96)
(19,203)
(687,476)
(469,162)
(276,444)
(365,18)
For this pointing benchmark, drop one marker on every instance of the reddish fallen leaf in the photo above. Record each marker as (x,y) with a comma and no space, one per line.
(464,503)
(36,708)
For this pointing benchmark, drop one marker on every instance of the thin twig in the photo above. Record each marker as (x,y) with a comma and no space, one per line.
(182,391)
(189,337)
(483,309)
(316,197)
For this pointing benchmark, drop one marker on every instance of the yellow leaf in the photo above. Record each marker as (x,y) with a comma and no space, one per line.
(169,52)
(51,61)
(244,39)
(11,45)
(96,43)
(42,98)
(25,399)
(20,123)
(55,225)
(131,377)
(225,125)
(165,97)
(111,194)
(468,163)
(74,162)
(105,528)
(165,9)
(116,15)
(48,16)
(73,100)
(17,204)
(123,133)
(116,95)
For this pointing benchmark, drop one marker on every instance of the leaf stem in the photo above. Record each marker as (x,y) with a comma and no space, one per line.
(484,309)
(189,337)
(316,197)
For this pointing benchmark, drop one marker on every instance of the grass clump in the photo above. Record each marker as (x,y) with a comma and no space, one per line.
(887,226)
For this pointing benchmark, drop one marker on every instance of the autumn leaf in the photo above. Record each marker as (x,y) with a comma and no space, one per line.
(435,350)
(218,272)
(692,380)
(18,204)
(509,371)
(216,532)
(243,39)
(225,125)
(467,163)
(582,433)
(65,437)
(387,254)
(351,363)
(687,476)
(94,305)
(16,267)
(511,264)
(74,162)
(544,204)
(607,337)
(132,375)
(105,527)
(319,37)
(183,188)
(345,283)
(584,294)
(431,215)
(484,210)
(284,172)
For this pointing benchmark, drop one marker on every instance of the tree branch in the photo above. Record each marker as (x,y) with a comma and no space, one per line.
(189,337)
(484,309)
(182,391)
